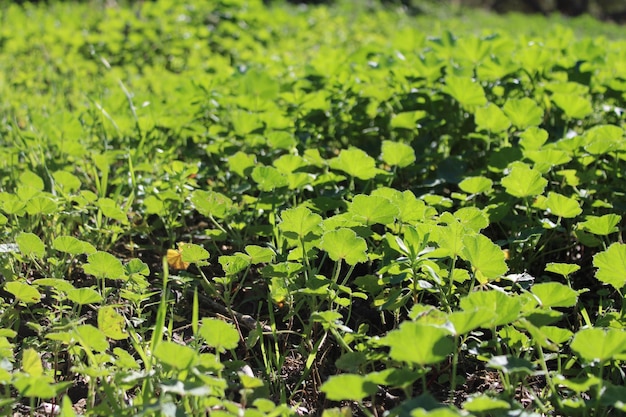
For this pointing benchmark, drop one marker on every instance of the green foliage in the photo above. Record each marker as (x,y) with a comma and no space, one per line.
(355,205)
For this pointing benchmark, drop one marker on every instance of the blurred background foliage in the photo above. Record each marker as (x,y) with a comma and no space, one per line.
(614,10)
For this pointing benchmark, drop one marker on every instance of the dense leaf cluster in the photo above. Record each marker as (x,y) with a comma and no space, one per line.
(225,208)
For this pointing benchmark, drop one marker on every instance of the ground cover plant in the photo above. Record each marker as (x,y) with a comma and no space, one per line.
(225,208)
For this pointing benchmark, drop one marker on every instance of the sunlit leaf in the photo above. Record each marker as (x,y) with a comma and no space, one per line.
(356,163)
(523,113)
(30,245)
(601,225)
(491,118)
(268,178)
(31,362)
(73,246)
(467,92)
(562,269)
(555,294)
(23,292)
(505,308)
(574,106)
(476,185)
(348,387)
(300,222)
(82,296)
(219,334)
(344,244)
(370,210)
(599,344)
(563,206)
(104,265)
(611,265)
(417,343)
(486,258)
(175,355)
(397,153)
(523,181)
(112,323)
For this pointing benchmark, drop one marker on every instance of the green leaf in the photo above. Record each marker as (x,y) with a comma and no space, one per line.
(397,153)
(212,204)
(466,321)
(242,164)
(356,163)
(523,113)
(574,106)
(466,91)
(66,181)
(533,138)
(523,181)
(485,404)
(30,245)
(407,120)
(601,225)
(555,294)
(193,253)
(73,246)
(175,355)
(486,258)
(111,323)
(491,118)
(505,308)
(234,264)
(41,205)
(344,243)
(476,185)
(599,344)
(31,362)
(511,365)
(369,210)
(40,386)
(111,209)
(562,206)
(268,178)
(562,269)
(611,265)
(219,334)
(300,222)
(259,254)
(419,344)
(92,338)
(104,265)
(23,292)
(472,218)
(82,296)
(603,139)
(348,387)
(57,284)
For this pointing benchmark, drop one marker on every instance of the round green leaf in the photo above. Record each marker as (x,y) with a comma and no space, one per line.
(104,265)
(420,344)
(397,153)
(611,265)
(219,334)
(348,387)
(599,344)
(30,245)
(344,244)
(523,181)
(369,210)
